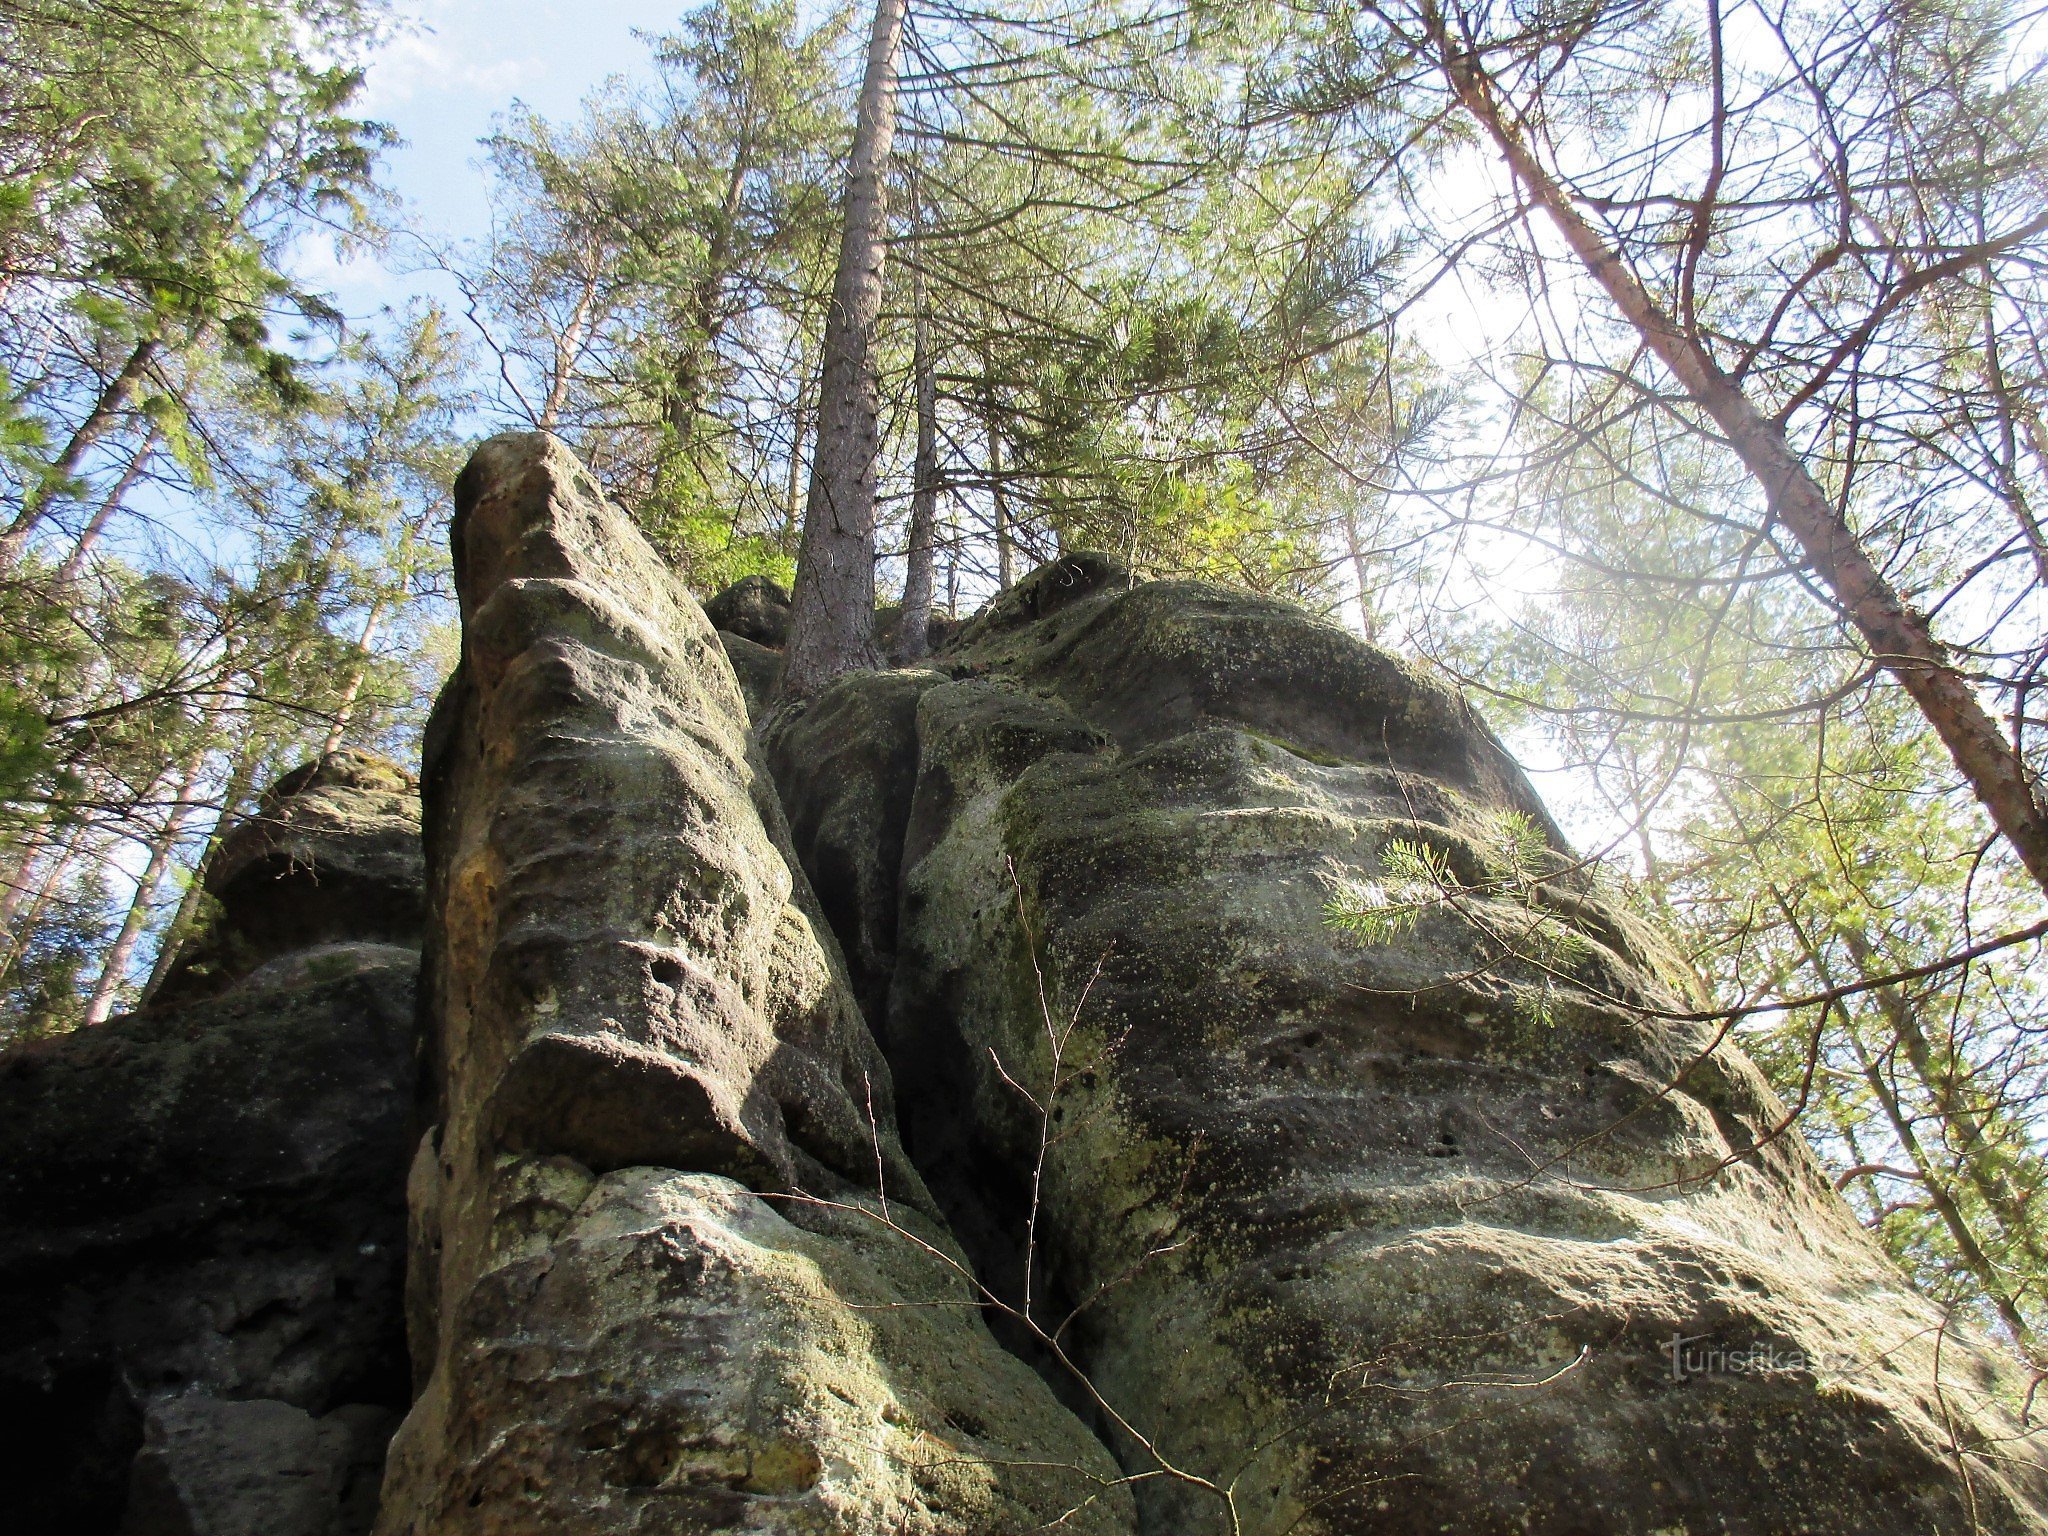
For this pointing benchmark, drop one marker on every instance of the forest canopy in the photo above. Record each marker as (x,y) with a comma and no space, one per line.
(1669,374)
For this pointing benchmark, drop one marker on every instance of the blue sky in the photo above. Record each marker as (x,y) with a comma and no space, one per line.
(453,66)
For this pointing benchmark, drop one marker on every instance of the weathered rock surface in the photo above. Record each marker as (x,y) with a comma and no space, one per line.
(1372,1237)
(202,1215)
(331,856)
(672,1271)
(1349,1235)
(756,668)
(754,608)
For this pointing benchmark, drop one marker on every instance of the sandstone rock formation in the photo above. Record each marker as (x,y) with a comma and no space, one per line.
(672,1271)
(332,856)
(947,1109)
(1365,1237)
(202,1222)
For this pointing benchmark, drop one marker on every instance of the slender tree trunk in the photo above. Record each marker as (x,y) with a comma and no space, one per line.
(74,563)
(1976,1155)
(23,927)
(832,616)
(793,484)
(1356,548)
(686,381)
(354,687)
(913,638)
(566,346)
(21,877)
(175,931)
(112,397)
(1898,636)
(107,989)
(999,502)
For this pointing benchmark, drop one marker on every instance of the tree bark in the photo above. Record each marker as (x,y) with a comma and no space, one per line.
(1898,636)
(74,563)
(108,987)
(999,503)
(832,616)
(112,397)
(913,634)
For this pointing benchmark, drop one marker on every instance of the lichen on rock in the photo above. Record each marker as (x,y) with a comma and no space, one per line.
(672,1272)
(1371,1236)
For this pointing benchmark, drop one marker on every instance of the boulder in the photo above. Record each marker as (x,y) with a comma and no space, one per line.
(202,1215)
(754,608)
(1465,1221)
(332,855)
(756,668)
(672,1272)
(215,1467)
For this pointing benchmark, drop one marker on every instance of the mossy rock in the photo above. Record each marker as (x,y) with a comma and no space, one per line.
(1380,1236)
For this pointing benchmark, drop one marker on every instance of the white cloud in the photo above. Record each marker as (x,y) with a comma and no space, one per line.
(439,61)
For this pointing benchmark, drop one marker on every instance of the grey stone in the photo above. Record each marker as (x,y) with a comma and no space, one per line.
(332,855)
(1377,1237)
(210,1467)
(672,1272)
(202,1204)
(754,608)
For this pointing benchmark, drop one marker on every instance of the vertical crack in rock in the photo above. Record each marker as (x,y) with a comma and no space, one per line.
(671,1269)
(1387,1237)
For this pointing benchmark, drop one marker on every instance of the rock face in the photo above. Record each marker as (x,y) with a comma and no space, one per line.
(755,609)
(1383,1234)
(948,1111)
(202,1221)
(332,856)
(671,1269)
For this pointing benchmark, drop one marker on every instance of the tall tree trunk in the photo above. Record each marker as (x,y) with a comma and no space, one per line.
(566,347)
(240,777)
(1898,636)
(913,637)
(21,879)
(354,687)
(74,563)
(107,989)
(832,615)
(23,853)
(999,503)
(112,397)
(26,918)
